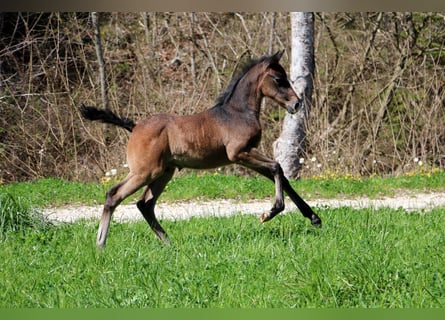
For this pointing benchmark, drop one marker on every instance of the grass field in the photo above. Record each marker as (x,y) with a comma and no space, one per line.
(57,192)
(360,258)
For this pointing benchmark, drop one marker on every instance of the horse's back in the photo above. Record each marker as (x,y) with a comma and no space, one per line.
(184,141)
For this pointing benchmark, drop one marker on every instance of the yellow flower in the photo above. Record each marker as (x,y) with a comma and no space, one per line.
(105,180)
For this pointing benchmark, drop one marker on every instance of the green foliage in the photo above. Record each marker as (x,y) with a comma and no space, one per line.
(16,215)
(360,258)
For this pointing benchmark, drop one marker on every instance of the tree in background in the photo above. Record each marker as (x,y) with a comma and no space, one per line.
(378,90)
(100,59)
(289,146)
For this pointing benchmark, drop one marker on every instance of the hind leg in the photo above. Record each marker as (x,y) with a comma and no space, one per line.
(114,197)
(148,201)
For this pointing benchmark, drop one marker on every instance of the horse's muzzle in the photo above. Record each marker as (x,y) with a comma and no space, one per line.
(294,108)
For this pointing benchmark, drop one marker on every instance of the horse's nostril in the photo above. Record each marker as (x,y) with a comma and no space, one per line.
(291,109)
(298,105)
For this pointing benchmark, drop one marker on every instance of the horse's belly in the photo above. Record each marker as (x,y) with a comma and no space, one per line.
(202,159)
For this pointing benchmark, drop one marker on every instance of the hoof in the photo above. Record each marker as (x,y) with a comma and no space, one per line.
(316,221)
(163,237)
(100,246)
(167,242)
(265,217)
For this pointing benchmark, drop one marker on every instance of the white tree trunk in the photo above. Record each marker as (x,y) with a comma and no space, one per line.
(289,146)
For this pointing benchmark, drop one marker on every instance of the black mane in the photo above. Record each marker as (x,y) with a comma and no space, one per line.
(225,96)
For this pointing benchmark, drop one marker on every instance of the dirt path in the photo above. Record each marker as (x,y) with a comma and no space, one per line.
(187,209)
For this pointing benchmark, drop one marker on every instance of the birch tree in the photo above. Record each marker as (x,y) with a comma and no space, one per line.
(289,146)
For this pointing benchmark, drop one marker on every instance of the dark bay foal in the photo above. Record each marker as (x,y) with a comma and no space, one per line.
(227,133)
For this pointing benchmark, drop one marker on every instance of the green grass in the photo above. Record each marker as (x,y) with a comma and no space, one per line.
(17,215)
(360,258)
(57,192)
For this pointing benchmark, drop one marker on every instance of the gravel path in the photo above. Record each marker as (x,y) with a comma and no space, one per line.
(187,209)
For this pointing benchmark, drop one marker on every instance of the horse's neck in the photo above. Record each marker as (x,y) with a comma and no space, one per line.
(247,96)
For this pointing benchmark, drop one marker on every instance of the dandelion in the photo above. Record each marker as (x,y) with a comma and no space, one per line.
(105,180)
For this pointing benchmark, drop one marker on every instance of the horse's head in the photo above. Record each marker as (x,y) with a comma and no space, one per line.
(276,85)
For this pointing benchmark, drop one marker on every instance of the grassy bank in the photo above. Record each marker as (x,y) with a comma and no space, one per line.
(56,192)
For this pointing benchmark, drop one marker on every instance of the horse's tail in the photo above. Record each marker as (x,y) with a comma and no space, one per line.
(107,116)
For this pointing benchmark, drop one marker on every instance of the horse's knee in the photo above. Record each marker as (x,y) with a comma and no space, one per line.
(276,169)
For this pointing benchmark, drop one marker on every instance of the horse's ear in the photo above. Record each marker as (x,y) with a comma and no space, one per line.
(273,59)
(277,56)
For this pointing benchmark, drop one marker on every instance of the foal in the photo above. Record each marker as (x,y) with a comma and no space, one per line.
(229,132)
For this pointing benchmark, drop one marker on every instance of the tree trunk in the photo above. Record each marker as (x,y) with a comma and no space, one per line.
(288,148)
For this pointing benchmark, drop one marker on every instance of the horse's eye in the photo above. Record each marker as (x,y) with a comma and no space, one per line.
(281,82)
